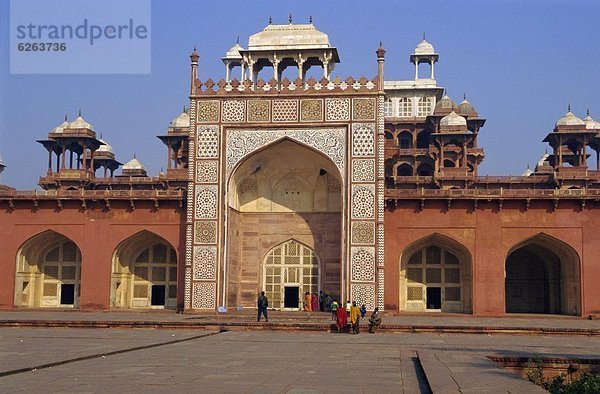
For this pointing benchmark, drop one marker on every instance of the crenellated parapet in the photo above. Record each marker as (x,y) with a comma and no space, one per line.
(285,86)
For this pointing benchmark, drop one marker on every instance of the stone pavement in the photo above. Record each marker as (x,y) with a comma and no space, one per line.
(320,321)
(109,360)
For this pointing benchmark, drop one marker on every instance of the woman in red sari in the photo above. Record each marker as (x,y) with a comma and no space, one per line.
(342,318)
(314,304)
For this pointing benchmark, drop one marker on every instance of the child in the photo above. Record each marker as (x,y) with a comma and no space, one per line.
(363,311)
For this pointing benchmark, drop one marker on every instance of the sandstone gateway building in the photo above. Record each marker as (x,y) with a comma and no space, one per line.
(362,188)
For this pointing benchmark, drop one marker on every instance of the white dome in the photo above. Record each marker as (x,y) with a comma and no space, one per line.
(60,128)
(277,37)
(80,123)
(467,108)
(183,120)
(104,148)
(590,123)
(134,164)
(424,48)
(569,120)
(234,52)
(453,119)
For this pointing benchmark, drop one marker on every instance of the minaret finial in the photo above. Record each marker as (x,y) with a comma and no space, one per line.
(183,107)
(134,155)
(79,111)
(290,18)
(380,44)
(194,48)
(100,135)
(423,36)
(587,112)
(310,19)
(569,107)
(270,20)
(238,40)
(65,117)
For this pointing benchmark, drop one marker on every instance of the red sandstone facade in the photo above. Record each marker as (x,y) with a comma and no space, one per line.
(432,237)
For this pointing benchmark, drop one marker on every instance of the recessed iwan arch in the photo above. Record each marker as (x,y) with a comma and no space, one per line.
(144,273)
(48,272)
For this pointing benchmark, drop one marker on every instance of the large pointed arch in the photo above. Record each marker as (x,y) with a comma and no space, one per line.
(436,275)
(48,271)
(543,275)
(144,272)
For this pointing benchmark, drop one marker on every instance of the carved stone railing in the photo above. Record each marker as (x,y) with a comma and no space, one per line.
(222,87)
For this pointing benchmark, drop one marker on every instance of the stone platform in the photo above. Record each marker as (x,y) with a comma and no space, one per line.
(300,321)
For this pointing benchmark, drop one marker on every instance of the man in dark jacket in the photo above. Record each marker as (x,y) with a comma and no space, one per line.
(263,303)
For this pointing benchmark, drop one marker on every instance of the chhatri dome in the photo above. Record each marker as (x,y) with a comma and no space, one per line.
(134,164)
(105,147)
(445,103)
(234,52)
(453,119)
(569,119)
(424,48)
(590,123)
(466,108)
(61,127)
(182,120)
(80,123)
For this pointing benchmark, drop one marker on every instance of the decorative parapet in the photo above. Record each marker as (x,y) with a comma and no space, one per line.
(310,86)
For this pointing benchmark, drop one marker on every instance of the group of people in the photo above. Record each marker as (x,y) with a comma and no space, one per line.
(314,303)
(339,313)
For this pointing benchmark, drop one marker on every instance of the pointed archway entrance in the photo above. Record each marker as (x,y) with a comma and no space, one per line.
(542,276)
(284,226)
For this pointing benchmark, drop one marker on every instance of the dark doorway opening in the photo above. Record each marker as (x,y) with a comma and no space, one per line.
(290,297)
(158,295)
(67,294)
(434,298)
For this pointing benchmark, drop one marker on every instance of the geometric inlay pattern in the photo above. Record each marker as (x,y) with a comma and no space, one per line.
(285,110)
(233,111)
(363,170)
(363,264)
(187,296)
(363,109)
(363,293)
(329,141)
(363,201)
(208,111)
(363,139)
(205,232)
(207,171)
(337,109)
(206,201)
(311,110)
(204,295)
(380,288)
(258,110)
(208,141)
(205,262)
(363,233)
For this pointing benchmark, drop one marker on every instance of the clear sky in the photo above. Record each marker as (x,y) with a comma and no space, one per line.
(519,62)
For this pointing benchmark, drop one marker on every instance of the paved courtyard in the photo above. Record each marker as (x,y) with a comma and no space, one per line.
(121,360)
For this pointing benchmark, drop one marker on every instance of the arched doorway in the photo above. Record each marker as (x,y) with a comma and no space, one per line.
(436,276)
(144,273)
(284,192)
(48,272)
(542,276)
(290,270)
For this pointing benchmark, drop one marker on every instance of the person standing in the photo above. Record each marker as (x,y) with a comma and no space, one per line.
(355,318)
(363,311)
(334,308)
(342,318)
(374,321)
(314,302)
(307,302)
(348,306)
(263,303)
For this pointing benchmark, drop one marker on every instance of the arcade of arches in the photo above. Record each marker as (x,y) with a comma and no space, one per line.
(282,193)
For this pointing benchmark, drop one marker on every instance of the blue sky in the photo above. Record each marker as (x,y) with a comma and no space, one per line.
(519,62)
